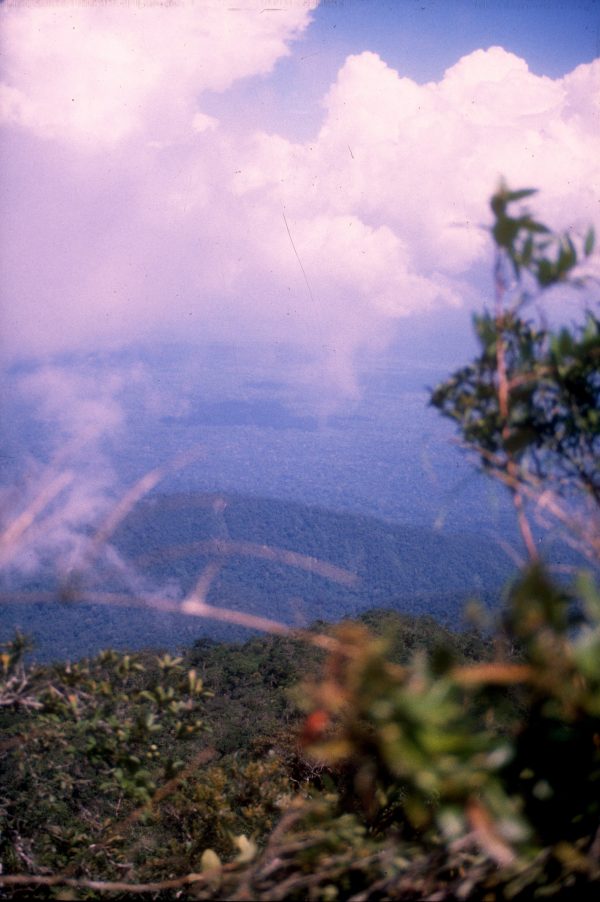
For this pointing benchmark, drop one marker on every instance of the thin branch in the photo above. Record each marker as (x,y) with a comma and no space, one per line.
(137,491)
(10,537)
(495,673)
(530,486)
(504,405)
(108,886)
(489,840)
(230,548)
(192,606)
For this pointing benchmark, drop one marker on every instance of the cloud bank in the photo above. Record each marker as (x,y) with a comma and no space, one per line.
(131,215)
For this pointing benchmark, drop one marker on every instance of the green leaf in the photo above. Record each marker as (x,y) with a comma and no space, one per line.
(519,195)
(590,241)
(498,204)
(567,258)
(505,231)
(527,252)
(546,273)
(590,595)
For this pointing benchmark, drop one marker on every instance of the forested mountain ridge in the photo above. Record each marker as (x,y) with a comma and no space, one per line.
(278,559)
(179,534)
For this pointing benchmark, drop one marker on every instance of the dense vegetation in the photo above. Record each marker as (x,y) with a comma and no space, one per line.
(126,725)
(168,539)
(382,758)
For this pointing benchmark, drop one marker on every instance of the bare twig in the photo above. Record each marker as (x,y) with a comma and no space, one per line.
(496,673)
(230,548)
(107,886)
(586,528)
(487,836)
(192,606)
(11,536)
(504,406)
(138,491)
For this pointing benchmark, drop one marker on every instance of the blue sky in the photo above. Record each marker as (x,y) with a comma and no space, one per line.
(554,35)
(421,39)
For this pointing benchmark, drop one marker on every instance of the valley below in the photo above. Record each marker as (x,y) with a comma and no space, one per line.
(275,559)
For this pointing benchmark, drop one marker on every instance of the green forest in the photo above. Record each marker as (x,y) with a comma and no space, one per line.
(392,755)
(279,559)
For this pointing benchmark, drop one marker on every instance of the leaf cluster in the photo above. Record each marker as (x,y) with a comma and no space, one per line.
(529,245)
(531,398)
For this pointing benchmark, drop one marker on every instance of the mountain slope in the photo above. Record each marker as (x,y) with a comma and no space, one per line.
(271,558)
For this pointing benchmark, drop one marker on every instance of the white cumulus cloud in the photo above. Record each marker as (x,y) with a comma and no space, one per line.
(134,215)
(97,74)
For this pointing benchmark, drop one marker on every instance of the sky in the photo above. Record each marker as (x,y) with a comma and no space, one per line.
(313,173)
(283,172)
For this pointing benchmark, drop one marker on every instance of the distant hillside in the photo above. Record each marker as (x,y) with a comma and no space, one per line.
(272,558)
(296,563)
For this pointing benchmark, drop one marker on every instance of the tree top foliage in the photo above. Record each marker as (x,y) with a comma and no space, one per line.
(529,404)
